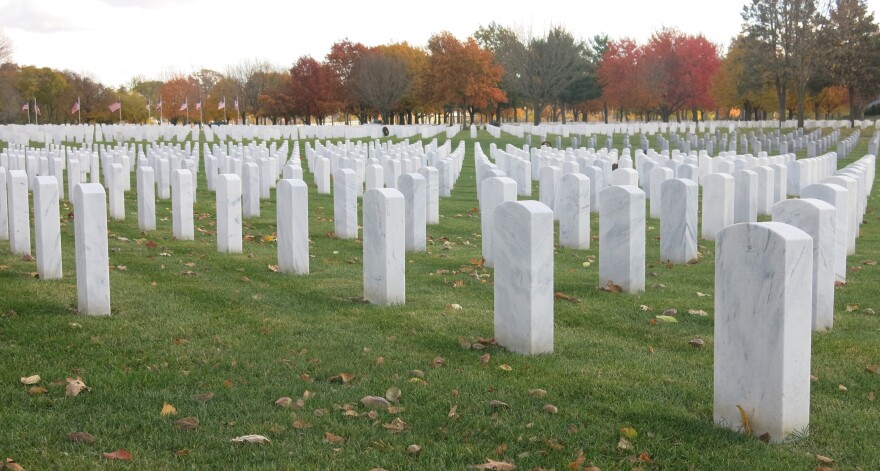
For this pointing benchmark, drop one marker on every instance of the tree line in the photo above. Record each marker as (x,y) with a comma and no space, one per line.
(792,57)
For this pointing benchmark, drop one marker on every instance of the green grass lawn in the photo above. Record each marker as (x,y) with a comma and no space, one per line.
(188,321)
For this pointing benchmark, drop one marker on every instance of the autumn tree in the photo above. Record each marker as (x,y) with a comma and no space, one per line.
(308,90)
(416,63)
(340,62)
(380,80)
(174,92)
(45,85)
(779,29)
(504,43)
(622,78)
(854,53)
(463,74)
(252,78)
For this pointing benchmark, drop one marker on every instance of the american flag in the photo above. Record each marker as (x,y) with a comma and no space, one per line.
(185,104)
(115,106)
(222,104)
(236,103)
(25,107)
(159,105)
(75,107)
(199,104)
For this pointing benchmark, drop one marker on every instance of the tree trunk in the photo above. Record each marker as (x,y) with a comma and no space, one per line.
(851,91)
(780,100)
(562,109)
(605,111)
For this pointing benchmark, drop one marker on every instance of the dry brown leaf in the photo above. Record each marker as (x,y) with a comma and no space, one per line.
(842,388)
(745,420)
(37,390)
(397,425)
(272,268)
(11,465)
(578,462)
(300,424)
(374,402)
(505,367)
(484,359)
(814,378)
(550,409)
(852,307)
(256,439)
(697,342)
(437,362)
(869,262)
(566,297)
(873,369)
(29,380)
(413,450)
(168,409)
(624,444)
(824,459)
(284,402)
(537,393)
(698,312)
(188,423)
(644,308)
(494,465)
(75,386)
(453,307)
(496,404)
(205,397)
(344,378)
(612,288)
(81,437)
(393,394)
(118,455)
(332,438)
(464,342)
(453,412)
(500,449)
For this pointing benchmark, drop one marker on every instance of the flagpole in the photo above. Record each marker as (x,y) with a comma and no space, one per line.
(28,110)
(238,108)
(120,111)
(36,115)
(201,105)
(224,111)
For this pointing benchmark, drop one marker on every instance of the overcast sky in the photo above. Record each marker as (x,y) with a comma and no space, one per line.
(115,40)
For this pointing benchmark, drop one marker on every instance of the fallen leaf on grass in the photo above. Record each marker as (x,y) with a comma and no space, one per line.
(437,362)
(550,409)
(332,438)
(578,462)
(413,450)
(453,307)
(257,439)
(29,380)
(697,342)
(453,412)
(612,288)
(628,433)
(205,397)
(624,444)
(537,393)
(496,404)
(300,424)
(284,402)
(396,426)
(566,297)
(824,459)
(869,262)
(667,319)
(168,409)
(37,390)
(484,359)
(272,268)
(28,258)
(344,378)
(842,388)
(81,437)
(393,394)
(375,402)
(494,465)
(745,420)
(702,295)
(75,386)
(645,308)
(464,342)
(698,312)
(873,369)
(188,423)
(852,307)
(118,455)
